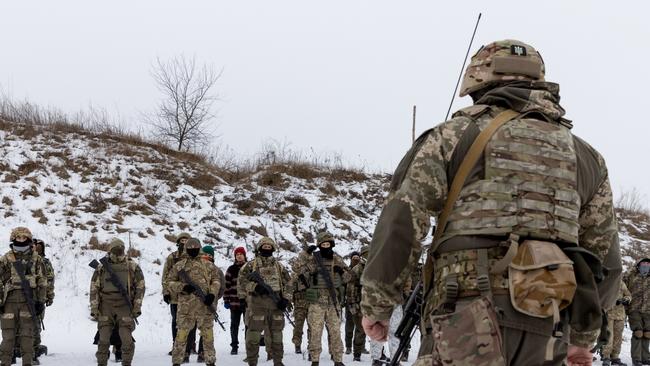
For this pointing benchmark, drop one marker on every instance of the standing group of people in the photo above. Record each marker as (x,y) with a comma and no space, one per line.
(26,289)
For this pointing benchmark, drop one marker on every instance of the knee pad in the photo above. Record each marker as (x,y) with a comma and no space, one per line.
(207,334)
(8,321)
(646,334)
(182,334)
(638,334)
(253,336)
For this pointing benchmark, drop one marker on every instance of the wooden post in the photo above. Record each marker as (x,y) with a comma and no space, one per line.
(413,131)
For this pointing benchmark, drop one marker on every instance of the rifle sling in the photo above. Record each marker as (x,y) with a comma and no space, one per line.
(27,290)
(116,282)
(328,279)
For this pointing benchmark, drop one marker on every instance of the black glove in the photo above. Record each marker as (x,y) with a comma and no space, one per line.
(339,270)
(625,302)
(242,305)
(209,299)
(619,301)
(311,248)
(282,305)
(260,290)
(167,299)
(188,289)
(39,307)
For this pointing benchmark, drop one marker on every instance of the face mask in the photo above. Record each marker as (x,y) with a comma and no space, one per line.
(327,253)
(116,258)
(193,252)
(21,249)
(118,251)
(266,252)
(644,270)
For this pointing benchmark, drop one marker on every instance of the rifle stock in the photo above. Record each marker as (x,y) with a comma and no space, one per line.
(257,278)
(201,295)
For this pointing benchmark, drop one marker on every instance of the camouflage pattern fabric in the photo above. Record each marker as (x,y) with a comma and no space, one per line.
(299,319)
(640,325)
(110,309)
(420,186)
(16,314)
(49,275)
(617,312)
(354,334)
(613,347)
(20,231)
(170,262)
(324,316)
(639,287)
(191,310)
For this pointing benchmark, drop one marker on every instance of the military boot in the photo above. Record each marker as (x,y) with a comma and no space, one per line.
(606,362)
(35,361)
(233,351)
(314,363)
(118,356)
(356,357)
(339,364)
(617,362)
(176,364)
(209,364)
(298,350)
(637,363)
(377,363)
(187,358)
(348,350)
(200,358)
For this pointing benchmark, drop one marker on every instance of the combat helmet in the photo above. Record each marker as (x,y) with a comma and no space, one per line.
(502,61)
(20,231)
(266,240)
(182,236)
(323,237)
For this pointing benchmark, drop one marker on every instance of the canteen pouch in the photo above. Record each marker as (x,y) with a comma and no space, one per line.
(470,336)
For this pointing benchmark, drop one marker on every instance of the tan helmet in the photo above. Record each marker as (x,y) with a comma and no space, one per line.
(20,231)
(364,251)
(266,240)
(114,243)
(192,243)
(506,60)
(323,237)
(182,236)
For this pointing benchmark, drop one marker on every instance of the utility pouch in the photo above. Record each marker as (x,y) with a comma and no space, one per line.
(311,295)
(541,280)
(470,336)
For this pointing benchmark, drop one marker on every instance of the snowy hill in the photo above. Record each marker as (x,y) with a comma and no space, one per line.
(75,190)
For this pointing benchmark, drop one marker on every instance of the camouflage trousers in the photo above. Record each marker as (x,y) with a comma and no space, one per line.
(263,315)
(613,347)
(187,318)
(354,334)
(393,341)
(16,316)
(299,318)
(111,314)
(640,324)
(321,316)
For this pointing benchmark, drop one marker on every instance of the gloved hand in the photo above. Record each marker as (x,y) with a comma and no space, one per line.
(137,314)
(625,302)
(226,305)
(167,299)
(282,305)
(311,248)
(94,315)
(39,307)
(49,302)
(209,299)
(188,289)
(339,270)
(242,304)
(260,290)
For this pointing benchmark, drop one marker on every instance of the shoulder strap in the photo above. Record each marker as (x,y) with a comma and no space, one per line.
(474,153)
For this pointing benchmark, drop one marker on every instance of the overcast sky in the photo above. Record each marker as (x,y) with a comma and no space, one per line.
(336,76)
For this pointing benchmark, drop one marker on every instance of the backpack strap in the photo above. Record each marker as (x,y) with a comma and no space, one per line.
(473,155)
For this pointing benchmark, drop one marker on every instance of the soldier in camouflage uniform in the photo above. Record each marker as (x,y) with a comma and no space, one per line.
(324,311)
(109,307)
(262,314)
(353,307)
(300,305)
(534,186)
(638,313)
(349,318)
(168,297)
(192,311)
(616,323)
(39,247)
(17,320)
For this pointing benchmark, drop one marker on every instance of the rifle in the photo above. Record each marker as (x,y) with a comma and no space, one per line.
(409,323)
(28,293)
(257,278)
(120,286)
(201,295)
(328,282)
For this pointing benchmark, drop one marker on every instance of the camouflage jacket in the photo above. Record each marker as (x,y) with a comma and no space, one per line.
(49,275)
(202,273)
(421,182)
(353,288)
(170,262)
(102,289)
(639,287)
(10,280)
(617,312)
(309,269)
(271,271)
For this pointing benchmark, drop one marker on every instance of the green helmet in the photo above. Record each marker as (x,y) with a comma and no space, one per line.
(502,61)
(266,240)
(323,237)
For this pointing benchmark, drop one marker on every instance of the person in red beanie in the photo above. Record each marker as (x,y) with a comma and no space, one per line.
(231,300)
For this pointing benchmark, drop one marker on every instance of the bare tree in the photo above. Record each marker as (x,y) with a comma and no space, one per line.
(184,117)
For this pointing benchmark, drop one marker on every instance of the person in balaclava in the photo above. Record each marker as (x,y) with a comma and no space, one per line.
(39,247)
(262,313)
(168,297)
(109,307)
(207,254)
(349,317)
(638,312)
(323,278)
(185,278)
(20,262)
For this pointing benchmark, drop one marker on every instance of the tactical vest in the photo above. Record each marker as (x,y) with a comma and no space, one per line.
(122,272)
(529,188)
(29,264)
(320,282)
(270,272)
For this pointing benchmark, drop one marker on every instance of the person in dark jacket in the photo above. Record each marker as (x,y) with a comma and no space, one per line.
(231,301)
